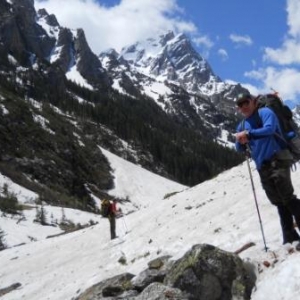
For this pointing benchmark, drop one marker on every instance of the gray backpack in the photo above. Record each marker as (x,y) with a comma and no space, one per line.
(286,121)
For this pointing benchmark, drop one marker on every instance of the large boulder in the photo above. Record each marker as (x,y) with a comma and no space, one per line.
(209,273)
(203,273)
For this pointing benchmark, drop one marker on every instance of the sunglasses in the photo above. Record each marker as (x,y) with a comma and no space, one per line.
(243,103)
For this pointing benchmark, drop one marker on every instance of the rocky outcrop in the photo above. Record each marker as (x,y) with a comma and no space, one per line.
(179,54)
(20,35)
(66,52)
(203,273)
(88,63)
(208,273)
(24,37)
(50,19)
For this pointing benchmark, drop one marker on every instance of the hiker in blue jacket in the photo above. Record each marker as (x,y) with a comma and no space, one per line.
(273,161)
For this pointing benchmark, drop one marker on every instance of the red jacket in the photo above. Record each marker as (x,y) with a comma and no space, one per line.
(113,208)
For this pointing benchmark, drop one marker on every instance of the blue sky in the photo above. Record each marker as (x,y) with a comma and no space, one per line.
(255,43)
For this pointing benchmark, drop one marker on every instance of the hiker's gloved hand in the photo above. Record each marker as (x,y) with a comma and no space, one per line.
(119,212)
(242,137)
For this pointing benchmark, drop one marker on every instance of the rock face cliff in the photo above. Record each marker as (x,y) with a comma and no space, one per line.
(30,36)
(20,35)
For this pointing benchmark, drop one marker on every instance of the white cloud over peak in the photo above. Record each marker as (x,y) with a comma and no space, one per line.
(123,24)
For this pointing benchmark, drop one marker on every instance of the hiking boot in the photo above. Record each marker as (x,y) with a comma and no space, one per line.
(290,237)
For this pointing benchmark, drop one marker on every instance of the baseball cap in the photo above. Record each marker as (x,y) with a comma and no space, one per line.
(242,97)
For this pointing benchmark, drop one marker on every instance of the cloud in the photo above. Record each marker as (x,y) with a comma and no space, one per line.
(293,9)
(241,39)
(223,53)
(283,75)
(204,44)
(289,52)
(203,41)
(285,81)
(119,25)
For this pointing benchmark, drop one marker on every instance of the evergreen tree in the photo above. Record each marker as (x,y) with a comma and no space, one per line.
(40,216)
(2,240)
(63,216)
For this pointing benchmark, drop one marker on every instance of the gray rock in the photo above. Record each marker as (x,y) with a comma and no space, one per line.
(159,263)
(158,291)
(203,273)
(208,273)
(145,278)
(155,273)
(108,289)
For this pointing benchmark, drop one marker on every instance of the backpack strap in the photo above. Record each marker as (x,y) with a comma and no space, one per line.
(243,125)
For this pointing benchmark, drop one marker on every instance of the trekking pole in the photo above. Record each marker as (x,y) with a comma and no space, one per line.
(255,198)
(124,223)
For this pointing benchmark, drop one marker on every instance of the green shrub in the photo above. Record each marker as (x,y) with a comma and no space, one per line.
(2,241)
(9,202)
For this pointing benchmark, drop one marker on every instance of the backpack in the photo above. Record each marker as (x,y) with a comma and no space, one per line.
(105,208)
(289,128)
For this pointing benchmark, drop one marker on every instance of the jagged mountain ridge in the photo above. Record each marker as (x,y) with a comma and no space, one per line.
(172,58)
(169,70)
(40,60)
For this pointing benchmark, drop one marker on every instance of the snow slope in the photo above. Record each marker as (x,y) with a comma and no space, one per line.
(220,211)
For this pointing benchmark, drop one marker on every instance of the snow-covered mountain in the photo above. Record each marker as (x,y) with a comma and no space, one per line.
(168,220)
(173,58)
(168,69)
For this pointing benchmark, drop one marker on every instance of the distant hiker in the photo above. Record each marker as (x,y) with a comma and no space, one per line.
(272,158)
(109,210)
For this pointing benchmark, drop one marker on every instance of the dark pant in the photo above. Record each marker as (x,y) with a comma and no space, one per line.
(287,225)
(276,180)
(112,223)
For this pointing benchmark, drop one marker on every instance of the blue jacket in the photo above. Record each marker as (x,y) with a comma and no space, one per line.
(262,140)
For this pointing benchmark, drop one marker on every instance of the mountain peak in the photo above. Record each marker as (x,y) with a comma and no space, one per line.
(166,37)
(171,57)
(49,19)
